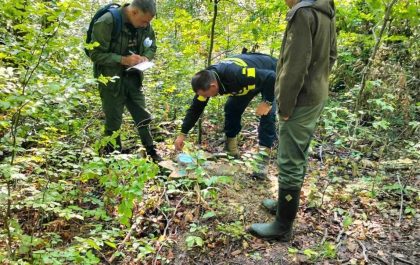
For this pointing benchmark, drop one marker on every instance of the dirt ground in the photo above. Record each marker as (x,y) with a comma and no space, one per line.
(322,233)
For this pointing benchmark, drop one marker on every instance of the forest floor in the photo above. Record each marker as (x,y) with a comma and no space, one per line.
(355,207)
(347,214)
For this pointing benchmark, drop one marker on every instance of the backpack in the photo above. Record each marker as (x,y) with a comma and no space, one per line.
(117,24)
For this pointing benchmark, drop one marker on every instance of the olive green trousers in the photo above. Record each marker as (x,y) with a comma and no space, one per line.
(295,136)
(126,92)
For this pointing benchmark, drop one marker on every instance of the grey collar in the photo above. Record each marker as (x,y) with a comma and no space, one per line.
(296,7)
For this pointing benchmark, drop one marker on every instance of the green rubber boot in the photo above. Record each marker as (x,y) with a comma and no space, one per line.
(270,205)
(231,146)
(282,227)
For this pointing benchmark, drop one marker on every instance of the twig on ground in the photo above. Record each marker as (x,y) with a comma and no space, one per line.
(173,215)
(340,234)
(230,249)
(168,222)
(378,258)
(325,236)
(340,241)
(103,256)
(127,237)
(403,260)
(160,198)
(320,156)
(164,234)
(363,251)
(401,198)
(323,193)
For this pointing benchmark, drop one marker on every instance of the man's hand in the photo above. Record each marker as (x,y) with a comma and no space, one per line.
(133,59)
(263,109)
(179,142)
(285,118)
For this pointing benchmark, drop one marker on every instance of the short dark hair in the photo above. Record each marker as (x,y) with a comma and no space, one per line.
(147,6)
(202,80)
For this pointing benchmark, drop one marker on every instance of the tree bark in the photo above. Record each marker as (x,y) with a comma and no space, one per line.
(213,25)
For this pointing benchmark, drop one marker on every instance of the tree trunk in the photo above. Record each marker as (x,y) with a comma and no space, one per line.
(366,70)
(213,24)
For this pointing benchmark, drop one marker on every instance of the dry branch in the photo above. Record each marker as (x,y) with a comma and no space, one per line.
(363,251)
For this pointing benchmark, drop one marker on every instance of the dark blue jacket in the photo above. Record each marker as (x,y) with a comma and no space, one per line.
(237,76)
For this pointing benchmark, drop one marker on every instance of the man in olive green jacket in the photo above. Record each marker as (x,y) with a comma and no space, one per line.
(308,53)
(135,44)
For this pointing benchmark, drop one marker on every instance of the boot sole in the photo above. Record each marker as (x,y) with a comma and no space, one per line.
(270,238)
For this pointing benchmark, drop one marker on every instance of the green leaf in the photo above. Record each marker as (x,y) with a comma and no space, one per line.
(91,46)
(91,258)
(329,250)
(193,241)
(4,105)
(292,250)
(208,215)
(310,253)
(347,221)
(217,180)
(92,243)
(199,241)
(111,244)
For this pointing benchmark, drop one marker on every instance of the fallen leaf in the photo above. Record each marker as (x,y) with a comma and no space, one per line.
(368,164)
(168,164)
(170,255)
(245,244)
(352,246)
(211,245)
(236,252)
(398,255)
(380,253)
(188,217)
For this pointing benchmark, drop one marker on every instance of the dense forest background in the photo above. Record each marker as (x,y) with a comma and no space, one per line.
(61,203)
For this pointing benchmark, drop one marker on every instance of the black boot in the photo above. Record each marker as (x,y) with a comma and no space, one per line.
(151,151)
(109,148)
(282,227)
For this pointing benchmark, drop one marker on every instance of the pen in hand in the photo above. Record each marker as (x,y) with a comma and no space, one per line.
(142,59)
